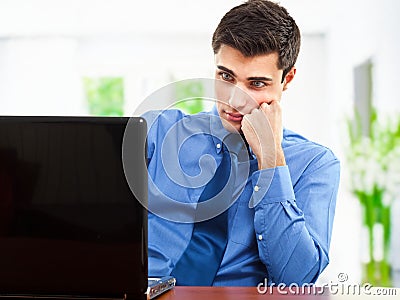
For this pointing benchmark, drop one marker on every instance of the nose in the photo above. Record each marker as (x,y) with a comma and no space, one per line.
(239,99)
(236,101)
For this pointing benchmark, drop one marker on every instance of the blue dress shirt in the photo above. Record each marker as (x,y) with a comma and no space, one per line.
(279,228)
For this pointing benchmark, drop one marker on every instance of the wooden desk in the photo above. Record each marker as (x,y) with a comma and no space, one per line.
(251,293)
(230,293)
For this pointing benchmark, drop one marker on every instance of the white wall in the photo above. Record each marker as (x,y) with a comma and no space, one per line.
(39,77)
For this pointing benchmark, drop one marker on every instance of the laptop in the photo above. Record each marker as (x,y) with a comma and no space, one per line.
(70,226)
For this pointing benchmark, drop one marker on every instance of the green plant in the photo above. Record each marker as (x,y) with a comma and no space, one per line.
(189,96)
(105,95)
(374,164)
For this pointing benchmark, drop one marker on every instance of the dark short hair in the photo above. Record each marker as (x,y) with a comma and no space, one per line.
(260,27)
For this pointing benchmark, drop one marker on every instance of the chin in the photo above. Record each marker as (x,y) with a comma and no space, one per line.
(233,127)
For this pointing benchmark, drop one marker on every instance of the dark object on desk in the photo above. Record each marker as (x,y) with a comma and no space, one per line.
(70,225)
(159,285)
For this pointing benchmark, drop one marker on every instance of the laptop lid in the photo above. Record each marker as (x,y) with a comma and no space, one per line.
(69,223)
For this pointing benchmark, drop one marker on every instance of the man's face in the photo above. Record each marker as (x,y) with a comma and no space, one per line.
(258,80)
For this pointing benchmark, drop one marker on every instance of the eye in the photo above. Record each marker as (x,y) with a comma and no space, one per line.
(226,76)
(258,84)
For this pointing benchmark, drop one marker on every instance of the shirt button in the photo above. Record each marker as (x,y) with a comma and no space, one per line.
(256,188)
(218,146)
(260,237)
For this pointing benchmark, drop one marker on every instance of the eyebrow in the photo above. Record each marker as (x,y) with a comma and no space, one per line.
(226,70)
(255,78)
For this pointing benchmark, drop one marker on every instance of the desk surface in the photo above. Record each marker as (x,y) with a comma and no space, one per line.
(229,293)
(251,293)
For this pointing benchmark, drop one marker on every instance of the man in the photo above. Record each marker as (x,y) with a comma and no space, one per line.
(279,221)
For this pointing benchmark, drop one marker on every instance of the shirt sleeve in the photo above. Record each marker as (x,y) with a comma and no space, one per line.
(293,224)
(159,229)
(158,123)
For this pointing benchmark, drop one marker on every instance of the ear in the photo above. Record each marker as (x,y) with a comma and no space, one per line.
(289,77)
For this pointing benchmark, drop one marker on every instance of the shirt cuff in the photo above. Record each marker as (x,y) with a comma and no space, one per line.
(271,186)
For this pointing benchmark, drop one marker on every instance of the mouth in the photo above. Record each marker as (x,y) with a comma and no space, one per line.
(234,117)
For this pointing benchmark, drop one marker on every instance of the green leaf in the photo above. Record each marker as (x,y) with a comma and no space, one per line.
(190,96)
(105,95)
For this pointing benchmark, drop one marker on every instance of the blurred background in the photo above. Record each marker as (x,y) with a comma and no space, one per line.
(104,57)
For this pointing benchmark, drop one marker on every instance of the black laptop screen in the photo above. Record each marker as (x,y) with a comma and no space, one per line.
(69,224)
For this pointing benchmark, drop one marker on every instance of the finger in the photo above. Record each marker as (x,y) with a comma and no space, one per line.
(275,107)
(245,127)
(254,111)
(247,121)
(265,107)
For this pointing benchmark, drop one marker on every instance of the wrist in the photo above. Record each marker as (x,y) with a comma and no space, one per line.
(272,162)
